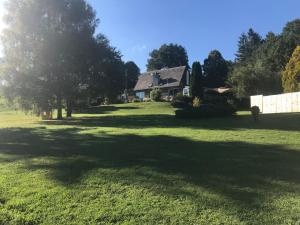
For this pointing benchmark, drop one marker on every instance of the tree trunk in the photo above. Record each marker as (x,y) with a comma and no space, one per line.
(69,108)
(59,108)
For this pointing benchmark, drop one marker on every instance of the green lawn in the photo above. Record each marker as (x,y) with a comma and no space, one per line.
(137,164)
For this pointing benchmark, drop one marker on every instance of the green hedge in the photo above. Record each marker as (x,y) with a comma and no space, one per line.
(206,111)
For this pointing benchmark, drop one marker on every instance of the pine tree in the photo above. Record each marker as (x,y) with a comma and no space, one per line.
(247,44)
(291,74)
(196,80)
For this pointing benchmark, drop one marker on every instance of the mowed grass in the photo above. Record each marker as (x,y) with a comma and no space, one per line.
(137,164)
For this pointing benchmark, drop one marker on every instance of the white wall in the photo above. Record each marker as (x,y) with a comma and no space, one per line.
(283,103)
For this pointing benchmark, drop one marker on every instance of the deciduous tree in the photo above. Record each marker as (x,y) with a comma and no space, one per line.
(171,55)
(215,69)
(291,74)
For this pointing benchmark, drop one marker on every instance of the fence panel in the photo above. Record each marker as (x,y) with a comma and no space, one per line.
(283,103)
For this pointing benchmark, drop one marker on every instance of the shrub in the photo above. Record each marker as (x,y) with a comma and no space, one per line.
(255,112)
(106,101)
(206,111)
(155,95)
(196,102)
(181,101)
(135,99)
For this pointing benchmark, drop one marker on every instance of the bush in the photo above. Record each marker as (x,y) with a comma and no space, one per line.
(155,95)
(181,101)
(206,111)
(196,102)
(135,99)
(255,112)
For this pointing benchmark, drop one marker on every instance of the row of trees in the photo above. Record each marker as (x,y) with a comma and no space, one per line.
(52,56)
(260,62)
(262,65)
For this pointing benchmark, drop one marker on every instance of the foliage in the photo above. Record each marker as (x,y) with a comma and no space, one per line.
(52,57)
(255,113)
(205,111)
(247,45)
(254,78)
(288,40)
(133,71)
(46,44)
(181,101)
(196,102)
(215,70)
(260,62)
(196,80)
(291,74)
(171,55)
(155,95)
(107,75)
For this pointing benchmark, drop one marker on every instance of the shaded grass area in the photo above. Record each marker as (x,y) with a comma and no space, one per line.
(133,167)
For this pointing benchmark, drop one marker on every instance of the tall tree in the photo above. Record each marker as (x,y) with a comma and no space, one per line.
(132,73)
(215,69)
(291,74)
(247,44)
(107,74)
(254,78)
(288,41)
(196,80)
(171,55)
(46,44)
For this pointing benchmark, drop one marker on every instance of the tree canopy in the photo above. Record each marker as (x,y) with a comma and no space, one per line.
(171,55)
(132,72)
(215,69)
(247,44)
(46,44)
(52,56)
(291,74)
(259,72)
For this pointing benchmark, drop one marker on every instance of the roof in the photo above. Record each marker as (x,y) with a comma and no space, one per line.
(167,78)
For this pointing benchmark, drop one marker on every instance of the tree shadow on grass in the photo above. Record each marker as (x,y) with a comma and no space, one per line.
(288,122)
(245,173)
(104,109)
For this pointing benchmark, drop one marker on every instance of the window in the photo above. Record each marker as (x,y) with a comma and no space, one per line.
(186,91)
(140,95)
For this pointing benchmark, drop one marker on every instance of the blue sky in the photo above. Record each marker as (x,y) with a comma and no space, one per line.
(136,27)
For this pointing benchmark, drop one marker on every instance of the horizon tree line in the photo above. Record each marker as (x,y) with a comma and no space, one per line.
(53,58)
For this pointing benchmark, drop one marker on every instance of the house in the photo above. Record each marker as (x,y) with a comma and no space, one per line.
(170,80)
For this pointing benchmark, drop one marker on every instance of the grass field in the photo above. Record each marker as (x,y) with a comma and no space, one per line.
(137,164)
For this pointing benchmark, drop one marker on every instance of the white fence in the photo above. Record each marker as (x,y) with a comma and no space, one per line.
(283,103)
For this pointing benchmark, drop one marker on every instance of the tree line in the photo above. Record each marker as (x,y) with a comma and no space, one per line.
(53,57)
(261,66)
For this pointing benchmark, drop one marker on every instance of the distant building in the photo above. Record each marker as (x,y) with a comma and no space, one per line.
(170,80)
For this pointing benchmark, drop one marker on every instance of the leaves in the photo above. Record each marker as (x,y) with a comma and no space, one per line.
(291,74)
(171,55)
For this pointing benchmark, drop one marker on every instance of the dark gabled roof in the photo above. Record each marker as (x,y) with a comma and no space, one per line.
(168,78)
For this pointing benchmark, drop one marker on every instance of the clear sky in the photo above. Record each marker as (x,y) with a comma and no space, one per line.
(136,27)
